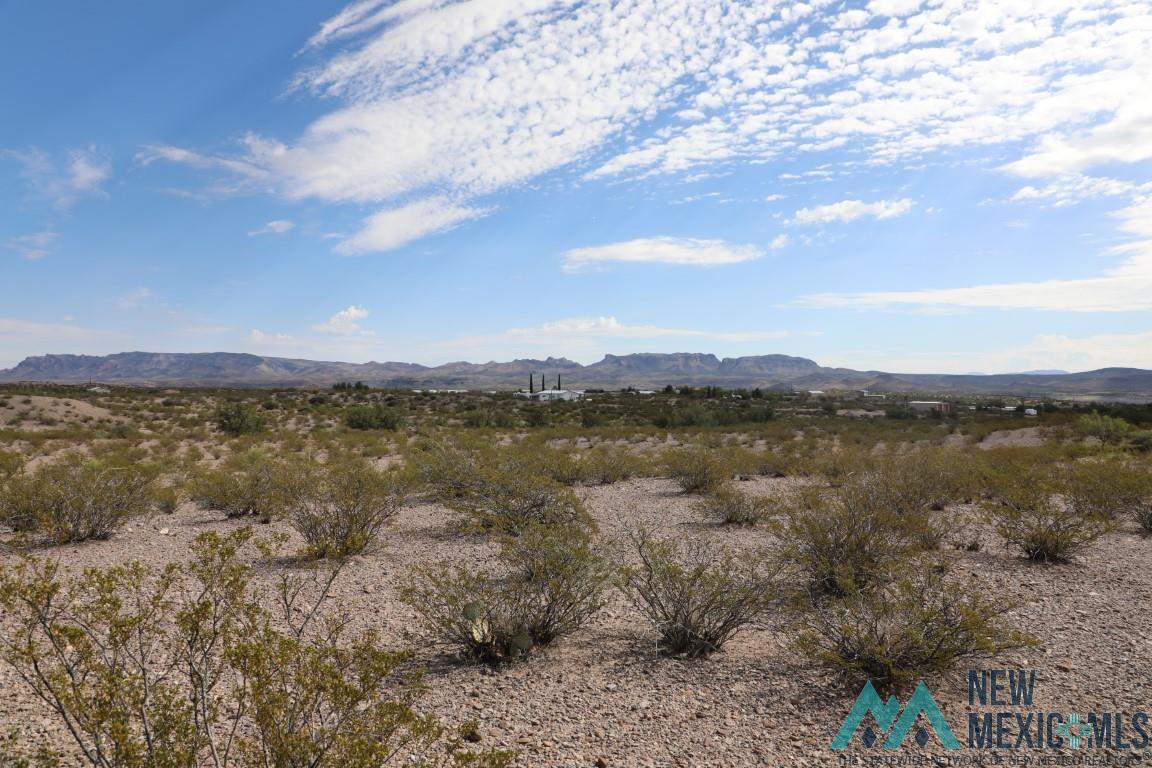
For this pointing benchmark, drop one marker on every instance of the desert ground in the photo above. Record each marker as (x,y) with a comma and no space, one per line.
(606,695)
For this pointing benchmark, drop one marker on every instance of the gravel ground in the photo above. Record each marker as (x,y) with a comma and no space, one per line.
(603,697)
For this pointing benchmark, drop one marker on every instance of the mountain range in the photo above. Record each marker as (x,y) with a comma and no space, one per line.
(642,370)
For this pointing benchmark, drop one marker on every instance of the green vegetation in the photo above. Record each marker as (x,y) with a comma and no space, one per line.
(695,596)
(553,582)
(375,416)
(696,470)
(842,540)
(76,498)
(844,554)
(727,504)
(143,673)
(339,508)
(919,624)
(1045,514)
(238,418)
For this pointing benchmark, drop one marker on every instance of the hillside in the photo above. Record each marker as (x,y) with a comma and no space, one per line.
(614,371)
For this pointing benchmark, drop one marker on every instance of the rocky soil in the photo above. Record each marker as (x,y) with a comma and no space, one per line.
(605,698)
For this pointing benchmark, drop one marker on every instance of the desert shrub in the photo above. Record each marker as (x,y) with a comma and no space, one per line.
(168,498)
(249,483)
(697,597)
(920,624)
(838,466)
(339,508)
(843,539)
(1034,513)
(499,489)
(1109,430)
(193,665)
(1143,515)
(375,416)
(554,581)
(444,471)
(695,470)
(238,418)
(560,465)
(918,485)
(509,502)
(23,498)
(481,418)
(605,466)
(727,504)
(10,464)
(76,498)
(760,463)
(1105,487)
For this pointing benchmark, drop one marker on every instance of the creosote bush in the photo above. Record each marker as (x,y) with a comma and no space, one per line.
(843,539)
(553,581)
(375,416)
(76,498)
(10,464)
(1043,513)
(728,504)
(696,470)
(498,489)
(919,624)
(194,665)
(697,597)
(340,507)
(1109,430)
(249,483)
(238,418)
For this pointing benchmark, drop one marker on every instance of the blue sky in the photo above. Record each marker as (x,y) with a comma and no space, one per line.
(948,185)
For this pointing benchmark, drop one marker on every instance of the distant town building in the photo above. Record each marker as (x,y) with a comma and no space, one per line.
(930,406)
(548,395)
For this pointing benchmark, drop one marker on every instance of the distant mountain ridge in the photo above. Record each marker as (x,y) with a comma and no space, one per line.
(641,370)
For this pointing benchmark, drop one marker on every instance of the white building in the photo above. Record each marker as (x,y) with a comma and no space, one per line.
(548,395)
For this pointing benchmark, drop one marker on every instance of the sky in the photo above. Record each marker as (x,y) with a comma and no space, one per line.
(941,186)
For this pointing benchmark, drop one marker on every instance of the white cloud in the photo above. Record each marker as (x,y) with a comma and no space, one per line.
(850,210)
(1042,352)
(19,338)
(1070,189)
(462,100)
(1126,138)
(893,7)
(64,180)
(587,338)
(277,227)
(345,322)
(610,327)
(662,250)
(258,336)
(1126,287)
(780,241)
(396,227)
(34,246)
